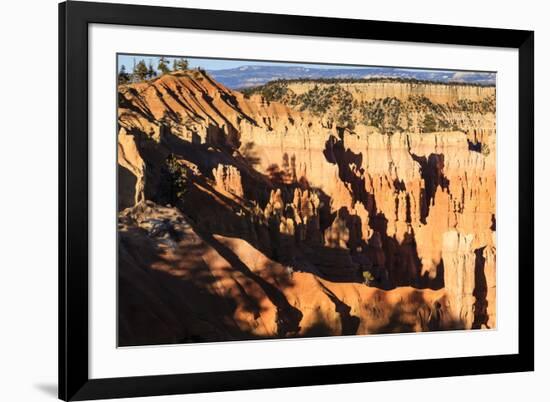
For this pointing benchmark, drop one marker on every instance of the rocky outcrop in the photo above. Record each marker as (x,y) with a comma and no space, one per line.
(402,90)
(389,106)
(177,285)
(275,219)
(131,172)
(228,178)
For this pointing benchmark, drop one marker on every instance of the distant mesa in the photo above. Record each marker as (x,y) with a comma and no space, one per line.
(246,76)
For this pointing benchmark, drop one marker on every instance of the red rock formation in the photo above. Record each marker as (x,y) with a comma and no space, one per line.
(228,178)
(279,215)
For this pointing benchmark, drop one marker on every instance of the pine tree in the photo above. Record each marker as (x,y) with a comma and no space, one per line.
(140,71)
(181,64)
(151,73)
(163,66)
(123,76)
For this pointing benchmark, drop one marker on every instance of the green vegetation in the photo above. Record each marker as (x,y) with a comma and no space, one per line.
(429,125)
(140,71)
(370,79)
(178,178)
(331,100)
(163,66)
(344,116)
(123,76)
(385,114)
(368,278)
(486,105)
(151,73)
(319,99)
(326,98)
(180,64)
(146,72)
(274,91)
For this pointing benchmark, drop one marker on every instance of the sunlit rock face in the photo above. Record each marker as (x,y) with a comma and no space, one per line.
(247,218)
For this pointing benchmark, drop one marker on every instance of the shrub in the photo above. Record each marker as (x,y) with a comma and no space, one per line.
(140,71)
(368,278)
(180,64)
(123,76)
(274,91)
(163,66)
(429,124)
(178,176)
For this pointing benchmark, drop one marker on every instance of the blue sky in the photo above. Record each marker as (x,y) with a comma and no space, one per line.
(217,64)
(242,79)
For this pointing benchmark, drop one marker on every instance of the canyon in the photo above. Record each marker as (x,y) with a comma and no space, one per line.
(304,208)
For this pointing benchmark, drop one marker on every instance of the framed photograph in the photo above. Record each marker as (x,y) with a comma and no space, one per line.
(257,201)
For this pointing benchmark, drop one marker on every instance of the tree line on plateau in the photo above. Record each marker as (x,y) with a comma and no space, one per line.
(142,71)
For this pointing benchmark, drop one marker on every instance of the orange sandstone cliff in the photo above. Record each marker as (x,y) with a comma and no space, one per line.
(249,216)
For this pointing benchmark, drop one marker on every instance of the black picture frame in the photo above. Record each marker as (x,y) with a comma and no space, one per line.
(74,381)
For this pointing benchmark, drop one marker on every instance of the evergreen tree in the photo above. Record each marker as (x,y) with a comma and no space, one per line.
(163,66)
(181,64)
(123,76)
(151,73)
(140,71)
